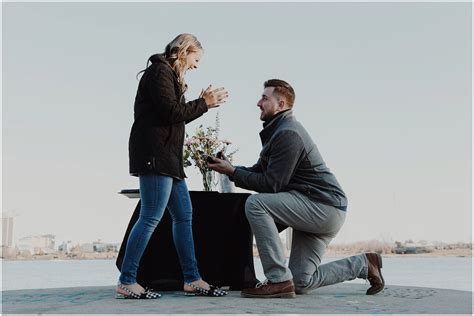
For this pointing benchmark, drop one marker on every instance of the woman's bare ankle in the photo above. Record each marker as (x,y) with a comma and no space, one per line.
(135,288)
(198,283)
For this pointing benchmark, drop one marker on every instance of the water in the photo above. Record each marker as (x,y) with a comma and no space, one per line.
(436,272)
(38,274)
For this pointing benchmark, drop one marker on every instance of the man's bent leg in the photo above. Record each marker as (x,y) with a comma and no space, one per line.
(307,251)
(267,238)
(332,273)
(365,266)
(309,246)
(295,210)
(318,224)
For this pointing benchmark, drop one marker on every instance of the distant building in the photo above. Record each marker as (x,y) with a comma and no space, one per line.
(100,246)
(43,244)
(7,231)
(88,247)
(65,246)
(413,248)
(7,250)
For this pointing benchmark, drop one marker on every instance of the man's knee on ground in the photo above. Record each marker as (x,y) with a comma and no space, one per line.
(302,283)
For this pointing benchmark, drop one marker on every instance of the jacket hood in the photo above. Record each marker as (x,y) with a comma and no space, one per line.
(158,58)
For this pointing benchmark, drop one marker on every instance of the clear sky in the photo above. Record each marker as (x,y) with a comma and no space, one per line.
(383,88)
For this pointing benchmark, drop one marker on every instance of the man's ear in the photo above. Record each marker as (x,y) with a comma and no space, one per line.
(281,104)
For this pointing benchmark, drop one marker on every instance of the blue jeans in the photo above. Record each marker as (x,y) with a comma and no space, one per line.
(156,193)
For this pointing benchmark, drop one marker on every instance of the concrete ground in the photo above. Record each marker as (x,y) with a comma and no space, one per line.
(336,299)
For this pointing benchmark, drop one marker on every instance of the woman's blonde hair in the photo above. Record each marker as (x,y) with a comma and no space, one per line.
(177,51)
(175,54)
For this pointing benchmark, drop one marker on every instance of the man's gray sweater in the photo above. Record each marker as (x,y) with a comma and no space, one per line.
(290,160)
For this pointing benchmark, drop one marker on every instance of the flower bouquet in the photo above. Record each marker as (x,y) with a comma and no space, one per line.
(205,142)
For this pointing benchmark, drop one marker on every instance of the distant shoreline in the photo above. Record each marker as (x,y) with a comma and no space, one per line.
(434,253)
(462,253)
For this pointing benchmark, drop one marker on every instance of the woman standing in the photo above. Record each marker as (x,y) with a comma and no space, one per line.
(156,157)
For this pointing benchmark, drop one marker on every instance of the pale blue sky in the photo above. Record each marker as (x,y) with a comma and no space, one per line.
(383,88)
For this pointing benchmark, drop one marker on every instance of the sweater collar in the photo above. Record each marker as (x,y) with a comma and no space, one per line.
(274,118)
(271,125)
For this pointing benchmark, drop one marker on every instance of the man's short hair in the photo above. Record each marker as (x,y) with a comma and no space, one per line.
(282,89)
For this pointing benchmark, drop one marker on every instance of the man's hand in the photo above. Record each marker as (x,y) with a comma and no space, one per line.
(222,166)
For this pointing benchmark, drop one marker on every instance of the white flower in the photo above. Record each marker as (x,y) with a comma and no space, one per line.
(205,141)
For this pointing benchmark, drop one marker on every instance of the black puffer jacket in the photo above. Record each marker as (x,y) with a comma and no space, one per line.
(157,135)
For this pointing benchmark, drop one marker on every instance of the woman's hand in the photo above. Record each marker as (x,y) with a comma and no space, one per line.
(214,97)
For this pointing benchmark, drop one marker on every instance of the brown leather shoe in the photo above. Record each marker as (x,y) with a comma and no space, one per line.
(268,289)
(374,275)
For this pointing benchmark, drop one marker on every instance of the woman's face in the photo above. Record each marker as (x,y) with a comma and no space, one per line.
(193,59)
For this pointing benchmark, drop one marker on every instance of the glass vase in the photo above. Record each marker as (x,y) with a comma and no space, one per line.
(208,180)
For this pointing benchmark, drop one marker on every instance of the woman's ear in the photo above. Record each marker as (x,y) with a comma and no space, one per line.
(182,55)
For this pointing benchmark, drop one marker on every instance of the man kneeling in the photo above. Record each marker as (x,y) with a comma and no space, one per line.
(296,190)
